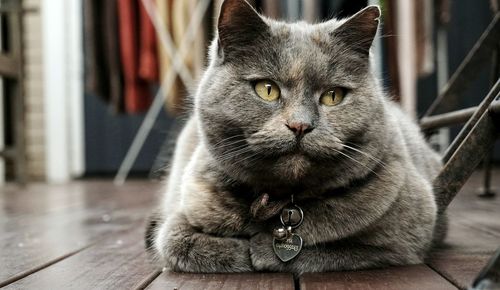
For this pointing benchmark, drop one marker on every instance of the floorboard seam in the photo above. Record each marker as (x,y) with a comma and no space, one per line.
(443,275)
(296,282)
(25,274)
(148,280)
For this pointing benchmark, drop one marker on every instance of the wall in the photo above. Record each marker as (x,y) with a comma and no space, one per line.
(35,141)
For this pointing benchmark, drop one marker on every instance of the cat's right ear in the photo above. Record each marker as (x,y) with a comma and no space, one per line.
(240,28)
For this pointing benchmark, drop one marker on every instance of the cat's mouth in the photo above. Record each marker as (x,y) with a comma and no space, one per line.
(293,150)
(272,148)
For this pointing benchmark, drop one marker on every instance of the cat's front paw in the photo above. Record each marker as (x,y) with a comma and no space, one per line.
(184,249)
(262,253)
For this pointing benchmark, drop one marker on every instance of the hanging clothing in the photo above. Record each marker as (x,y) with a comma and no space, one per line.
(124,58)
(94,82)
(103,71)
(112,56)
(148,56)
(137,92)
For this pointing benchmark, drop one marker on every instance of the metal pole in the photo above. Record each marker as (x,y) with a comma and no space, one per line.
(468,69)
(453,118)
(492,95)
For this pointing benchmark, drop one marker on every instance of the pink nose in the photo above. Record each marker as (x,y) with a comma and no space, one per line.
(299,129)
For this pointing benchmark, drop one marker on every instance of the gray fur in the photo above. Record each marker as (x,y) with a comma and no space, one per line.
(362,176)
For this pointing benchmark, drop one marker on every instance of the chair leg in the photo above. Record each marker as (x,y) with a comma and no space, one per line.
(486,191)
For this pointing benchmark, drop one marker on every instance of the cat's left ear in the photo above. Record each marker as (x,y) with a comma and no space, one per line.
(359,30)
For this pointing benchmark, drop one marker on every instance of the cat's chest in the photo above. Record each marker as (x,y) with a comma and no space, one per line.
(231,208)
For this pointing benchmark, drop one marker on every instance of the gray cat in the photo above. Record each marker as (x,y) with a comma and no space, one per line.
(294,109)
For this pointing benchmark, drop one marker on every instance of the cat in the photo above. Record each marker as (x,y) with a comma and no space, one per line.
(294,109)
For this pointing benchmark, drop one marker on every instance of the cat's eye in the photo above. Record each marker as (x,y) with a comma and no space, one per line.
(267,90)
(332,97)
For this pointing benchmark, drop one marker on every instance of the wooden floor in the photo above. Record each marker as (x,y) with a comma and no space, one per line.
(88,235)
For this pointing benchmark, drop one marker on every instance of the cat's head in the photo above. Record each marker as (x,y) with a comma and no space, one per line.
(280,99)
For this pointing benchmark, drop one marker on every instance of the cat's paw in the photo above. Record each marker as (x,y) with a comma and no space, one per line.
(185,249)
(262,253)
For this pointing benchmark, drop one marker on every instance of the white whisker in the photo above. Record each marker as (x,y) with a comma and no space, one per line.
(353,159)
(379,161)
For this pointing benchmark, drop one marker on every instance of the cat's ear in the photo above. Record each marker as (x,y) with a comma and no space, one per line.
(239,27)
(359,30)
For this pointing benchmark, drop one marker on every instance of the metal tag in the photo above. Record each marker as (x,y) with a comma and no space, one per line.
(289,248)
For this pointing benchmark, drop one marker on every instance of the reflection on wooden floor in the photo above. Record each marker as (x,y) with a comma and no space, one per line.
(88,235)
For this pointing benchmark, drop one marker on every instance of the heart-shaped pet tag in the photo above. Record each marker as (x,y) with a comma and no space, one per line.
(288,248)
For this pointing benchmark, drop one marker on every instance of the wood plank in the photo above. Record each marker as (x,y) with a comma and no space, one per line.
(38,199)
(85,228)
(36,252)
(118,262)
(189,281)
(408,277)
(486,221)
(467,250)
(464,238)
(468,202)
(65,222)
(459,268)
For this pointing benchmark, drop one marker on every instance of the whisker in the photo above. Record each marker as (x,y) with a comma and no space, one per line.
(231,154)
(228,138)
(230,144)
(248,157)
(353,159)
(234,153)
(379,161)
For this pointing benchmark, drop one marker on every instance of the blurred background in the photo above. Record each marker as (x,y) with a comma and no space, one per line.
(83,79)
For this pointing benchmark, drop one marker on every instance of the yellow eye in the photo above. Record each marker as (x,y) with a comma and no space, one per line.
(332,97)
(267,90)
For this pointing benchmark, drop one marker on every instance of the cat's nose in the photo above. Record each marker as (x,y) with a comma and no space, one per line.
(299,129)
